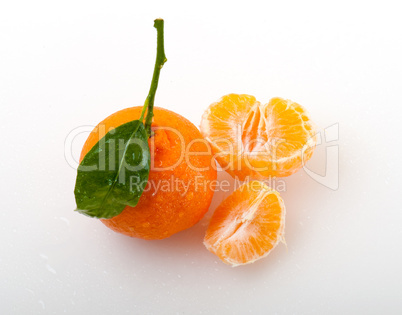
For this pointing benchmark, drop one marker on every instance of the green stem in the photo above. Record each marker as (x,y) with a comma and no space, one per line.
(160,60)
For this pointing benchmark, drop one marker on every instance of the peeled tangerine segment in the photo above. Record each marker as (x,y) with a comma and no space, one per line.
(247,225)
(255,140)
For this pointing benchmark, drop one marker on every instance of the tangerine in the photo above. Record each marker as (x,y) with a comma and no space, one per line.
(247,225)
(258,141)
(179,190)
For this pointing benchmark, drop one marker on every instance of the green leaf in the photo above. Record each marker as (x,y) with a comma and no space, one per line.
(114,173)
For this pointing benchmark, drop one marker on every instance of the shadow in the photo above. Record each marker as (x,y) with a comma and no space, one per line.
(184,247)
(303,197)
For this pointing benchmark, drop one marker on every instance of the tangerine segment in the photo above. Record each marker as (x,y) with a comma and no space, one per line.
(251,139)
(247,225)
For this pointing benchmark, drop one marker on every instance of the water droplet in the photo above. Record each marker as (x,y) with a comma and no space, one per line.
(65,220)
(42,303)
(50,269)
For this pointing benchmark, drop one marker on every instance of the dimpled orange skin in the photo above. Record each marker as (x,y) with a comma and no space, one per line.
(165,210)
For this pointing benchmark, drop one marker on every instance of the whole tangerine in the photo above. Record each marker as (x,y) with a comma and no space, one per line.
(180,184)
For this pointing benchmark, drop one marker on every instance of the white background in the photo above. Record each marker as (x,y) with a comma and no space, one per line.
(72,63)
